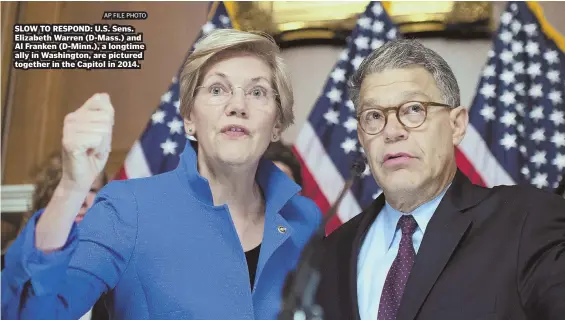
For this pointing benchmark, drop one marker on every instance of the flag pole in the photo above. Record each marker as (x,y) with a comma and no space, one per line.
(547,28)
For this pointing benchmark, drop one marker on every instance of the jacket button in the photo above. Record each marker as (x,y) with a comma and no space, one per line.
(282,229)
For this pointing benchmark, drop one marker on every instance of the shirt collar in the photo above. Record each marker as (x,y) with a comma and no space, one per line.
(422,215)
(277,187)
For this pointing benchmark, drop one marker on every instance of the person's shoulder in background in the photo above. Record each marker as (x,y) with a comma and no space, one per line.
(308,213)
(283,157)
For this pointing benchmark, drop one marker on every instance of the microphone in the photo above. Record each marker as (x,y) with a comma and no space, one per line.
(298,300)
(359,165)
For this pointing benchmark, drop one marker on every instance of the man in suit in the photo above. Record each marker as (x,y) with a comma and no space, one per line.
(433,245)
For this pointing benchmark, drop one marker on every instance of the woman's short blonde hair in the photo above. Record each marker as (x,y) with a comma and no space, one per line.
(224,42)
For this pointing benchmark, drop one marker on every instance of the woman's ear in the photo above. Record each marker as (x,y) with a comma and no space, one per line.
(276,132)
(189,127)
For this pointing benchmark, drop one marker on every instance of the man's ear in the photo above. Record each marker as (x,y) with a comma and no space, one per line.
(459,120)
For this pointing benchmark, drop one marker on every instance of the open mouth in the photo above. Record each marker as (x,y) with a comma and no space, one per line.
(235,131)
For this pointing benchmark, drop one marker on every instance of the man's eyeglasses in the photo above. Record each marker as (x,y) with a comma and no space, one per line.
(217,94)
(410,114)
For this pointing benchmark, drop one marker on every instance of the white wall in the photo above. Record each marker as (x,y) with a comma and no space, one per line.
(309,68)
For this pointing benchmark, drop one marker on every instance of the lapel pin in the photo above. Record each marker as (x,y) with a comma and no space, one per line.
(282,229)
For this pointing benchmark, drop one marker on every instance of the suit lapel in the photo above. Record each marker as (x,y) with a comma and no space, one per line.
(277,231)
(368,216)
(445,230)
(346,278)
(277,189)
(441,238)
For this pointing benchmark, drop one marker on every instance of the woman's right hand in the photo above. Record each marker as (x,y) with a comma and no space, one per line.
(87,140)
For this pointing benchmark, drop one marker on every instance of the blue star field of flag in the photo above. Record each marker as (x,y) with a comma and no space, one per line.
(333,116)
(164,137)
(519,108)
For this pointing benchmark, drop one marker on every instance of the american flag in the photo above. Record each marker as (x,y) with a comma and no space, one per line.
(163,140)
(517,127)
(327,144)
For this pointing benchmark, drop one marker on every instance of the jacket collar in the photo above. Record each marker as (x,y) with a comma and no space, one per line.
(277,187)
(459,196)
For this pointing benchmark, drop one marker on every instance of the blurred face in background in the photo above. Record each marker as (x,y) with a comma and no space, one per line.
(89,200)
(286,169)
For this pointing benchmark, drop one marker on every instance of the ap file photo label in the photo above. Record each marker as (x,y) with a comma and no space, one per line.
(124,15)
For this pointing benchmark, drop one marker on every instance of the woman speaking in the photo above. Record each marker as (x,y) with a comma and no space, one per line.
(212,239)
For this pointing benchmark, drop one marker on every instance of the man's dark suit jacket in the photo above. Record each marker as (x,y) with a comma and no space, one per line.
(495,253)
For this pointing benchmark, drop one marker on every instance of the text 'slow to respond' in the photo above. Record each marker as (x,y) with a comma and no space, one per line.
(77,46)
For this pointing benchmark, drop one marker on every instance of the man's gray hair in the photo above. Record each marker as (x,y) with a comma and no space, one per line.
(405,53)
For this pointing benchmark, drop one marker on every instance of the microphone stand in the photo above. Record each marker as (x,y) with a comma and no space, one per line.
(299,301)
